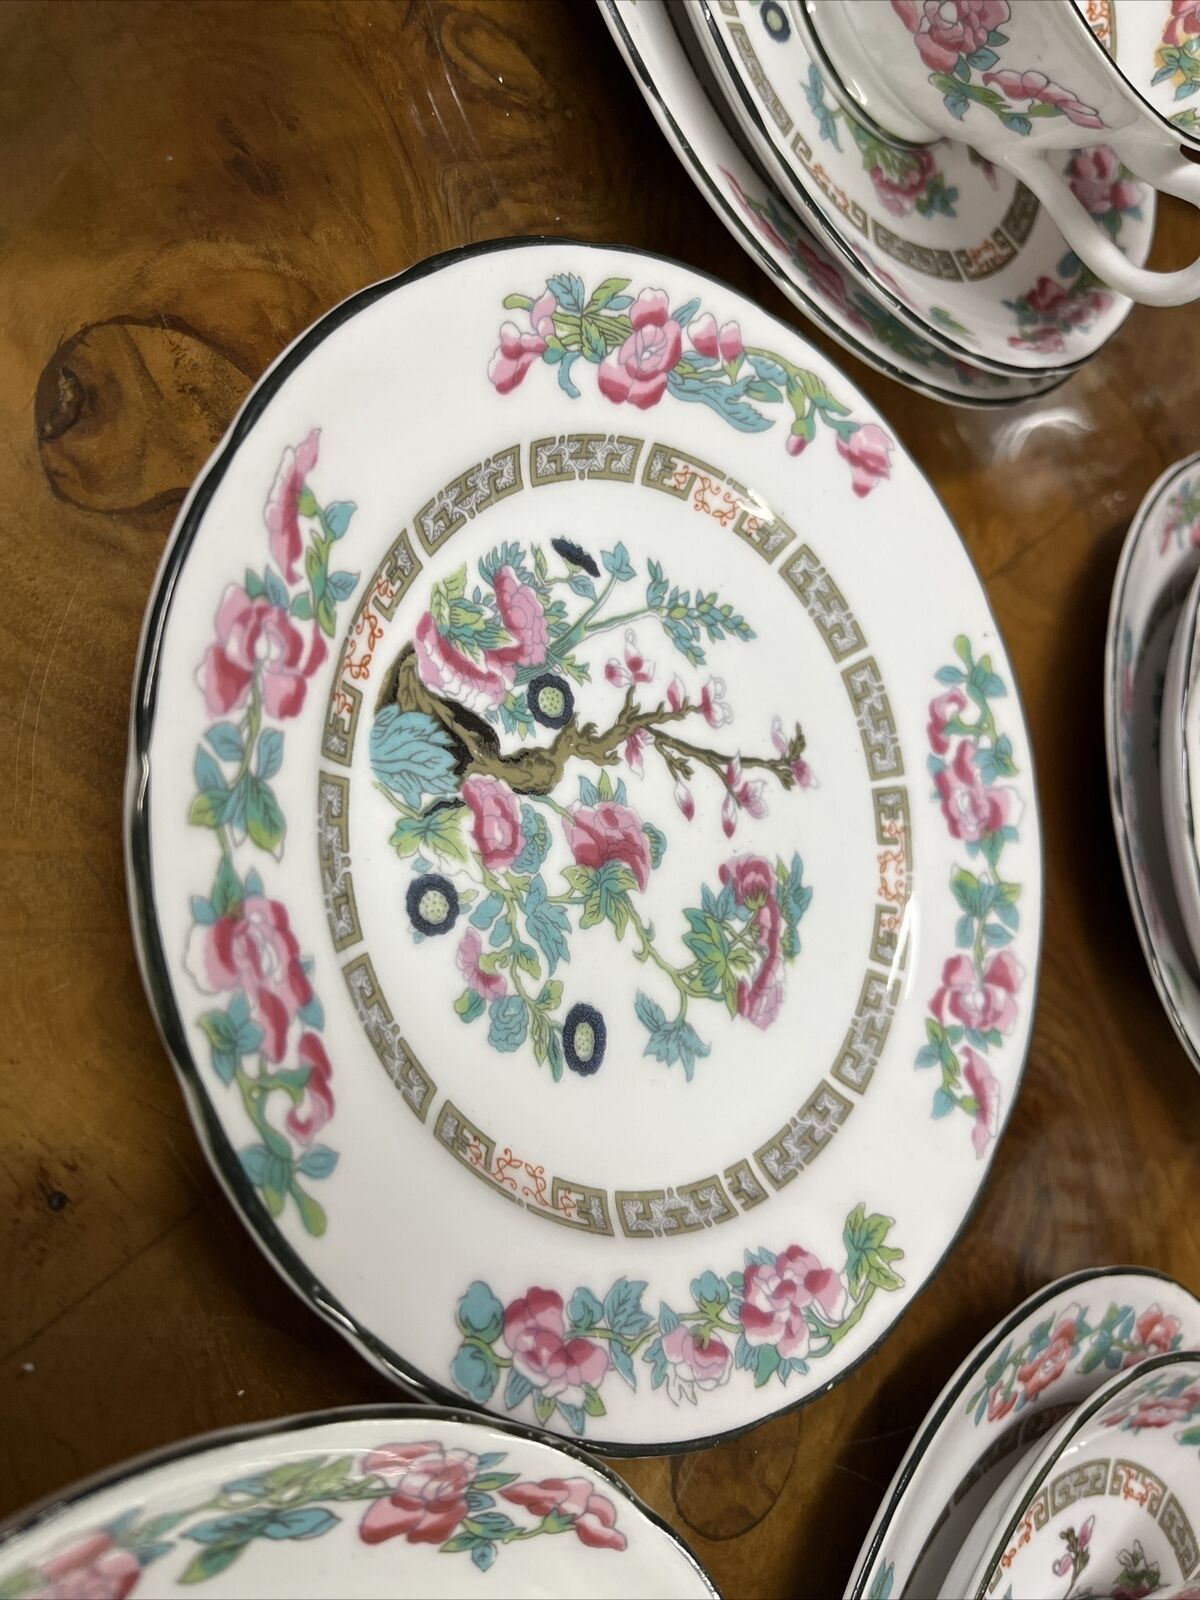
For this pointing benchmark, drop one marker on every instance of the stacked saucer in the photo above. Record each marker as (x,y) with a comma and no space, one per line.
(970,242)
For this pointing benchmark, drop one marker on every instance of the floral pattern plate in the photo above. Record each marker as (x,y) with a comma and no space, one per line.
(1019,1382)
(1158,564)
(386,1500)
(594,906)
(678,87)
(956,248)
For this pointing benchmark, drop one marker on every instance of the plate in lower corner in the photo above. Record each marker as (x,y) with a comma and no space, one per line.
(391,1500)
(584,844)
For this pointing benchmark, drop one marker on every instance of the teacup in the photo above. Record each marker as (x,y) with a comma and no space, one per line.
(1015,79)
(1156,46)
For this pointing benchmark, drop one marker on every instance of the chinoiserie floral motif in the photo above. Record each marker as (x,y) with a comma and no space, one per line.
(637,345)
(510,649)
(776,1316)
(1164,1399)
(1177,59)
(1076,1556)
(1071,1341)
(265,1026)
(1181,517)
(960,40)
(974,1008)
(419,1493)
(1137,1575)
(1070,302)
(905,180)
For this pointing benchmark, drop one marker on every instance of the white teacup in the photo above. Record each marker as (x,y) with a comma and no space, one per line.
(1015,79)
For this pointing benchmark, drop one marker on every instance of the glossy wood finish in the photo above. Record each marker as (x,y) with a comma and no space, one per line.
(184,188)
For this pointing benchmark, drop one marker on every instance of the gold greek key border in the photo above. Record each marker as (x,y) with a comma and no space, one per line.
(709,1201)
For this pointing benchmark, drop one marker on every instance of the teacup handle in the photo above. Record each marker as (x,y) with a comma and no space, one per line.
(1171,172)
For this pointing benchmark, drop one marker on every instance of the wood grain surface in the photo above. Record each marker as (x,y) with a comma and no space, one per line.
(183,187)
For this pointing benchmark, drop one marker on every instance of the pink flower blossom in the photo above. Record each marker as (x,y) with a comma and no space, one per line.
(1047,340)
(632,749)
(825,278)
(1049,1364)
(256,636)
(253,948)
(970,808)
(714,708)
(454,676)
(684,800)
(742,794)
(495,821)
(867,450)
(796,443)
(1154,1333)
(1157,1411)
(944,708)
(489,985)
(775,1299)
(1183,23)
(534,1330)
(1037,86)
(694,1364)
(750,878)
(979,1002)
(637,372)
(760,999)
(593,1515)
(1083,1538)
(1000,1404)
(898,194)
(676,693)
(428,1496)
(282,511)
(1100,183)
(636,669)
(947,29)
(93,1568)
(804,775)
(306,1119)
(729,813)
(518,351)
(608,832)
(521,613)
(729,342)
(986,1090)
(702,332)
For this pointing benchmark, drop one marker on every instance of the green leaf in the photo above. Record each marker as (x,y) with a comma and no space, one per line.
(543,1407)
(264,818)
(592,1404)
(208,809)
(301,1522)
(469,1005)
(312,1212)
(584,1311)
(434,833)
(412,755)
(594,347)
(208,1562)
(548,924)
(269,756)
(227,892)
(603,293)
(517,302)
(509,1023)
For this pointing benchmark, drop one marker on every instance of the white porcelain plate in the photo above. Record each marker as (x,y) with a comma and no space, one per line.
(388,1501)
(585,849)
(1158,564)
(1021,1380)
(954,246)
(677,86)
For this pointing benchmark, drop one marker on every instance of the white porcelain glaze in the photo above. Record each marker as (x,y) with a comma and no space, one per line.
(1160,558)
(1017,80)
(746,1121)
(1179,763)
(387,1501)
(677,89)
(1019,1382)
(953,244)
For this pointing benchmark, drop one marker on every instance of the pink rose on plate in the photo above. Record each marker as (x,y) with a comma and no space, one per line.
(256,636)
(495,821)
(867,450)
(970,808)
(282,511)
(428,1496)
(986,1091)
(637,371)
(1100,183)
(315,1108)
(253,948)
(751,878)
(1183,23)
(1158,1411)
(593,1515)
(897,194)
(1083,1538)
(517,351)
(702,334)
(944,708)
(608,832)
(521,613)
(947,29)
(1037,86)
(448,672)
(94,1568)
(1049,1364)
(535,1332)
(1154,1333)
(775,1299)
(979,1001)
(1000,1404)
(488,985)
(760,998)
(693,1364)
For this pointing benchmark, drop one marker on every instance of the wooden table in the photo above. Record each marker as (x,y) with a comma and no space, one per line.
(185,187)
